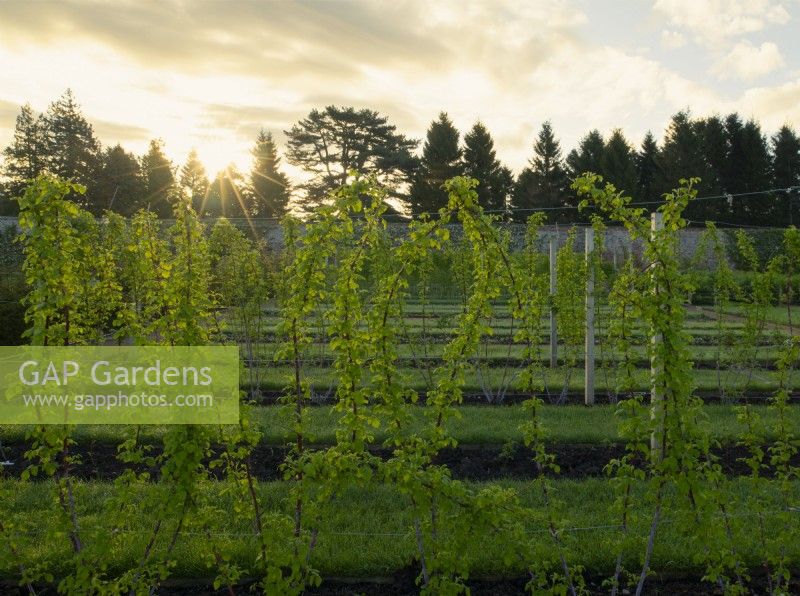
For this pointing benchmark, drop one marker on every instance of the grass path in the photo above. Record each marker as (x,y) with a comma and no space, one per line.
(475,425)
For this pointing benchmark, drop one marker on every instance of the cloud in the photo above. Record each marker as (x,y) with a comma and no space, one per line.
(748,62)
(773,106)
(8,115)
(672,39)
(210,74)
(8,111)
(712,22)
(247,120)
(720,25)
(213,37)
(108,131)
(112,133)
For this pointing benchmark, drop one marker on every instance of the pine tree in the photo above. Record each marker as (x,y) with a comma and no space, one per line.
(328,144)
(757,175)
(681,153)
(159,180)
(647,169)
(23,158)
(225,197)
(441,159)
(120,185)
(588,156)
(711,132)
(480,162)
(544,182)
(617,162)
(735,166)
(786,174)
(71,149)
(193,180)
(708,141)
(269,186)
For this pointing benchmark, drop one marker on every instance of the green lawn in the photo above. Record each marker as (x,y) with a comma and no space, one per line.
(323,378)
(481,425)
(774,314)
(443,326)
(417,350)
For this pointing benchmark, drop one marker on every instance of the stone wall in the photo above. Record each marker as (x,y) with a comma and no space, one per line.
(618,244)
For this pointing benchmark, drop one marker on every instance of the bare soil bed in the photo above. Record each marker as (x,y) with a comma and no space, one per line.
(98,460)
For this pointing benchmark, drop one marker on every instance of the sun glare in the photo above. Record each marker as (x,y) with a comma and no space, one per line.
(219,156)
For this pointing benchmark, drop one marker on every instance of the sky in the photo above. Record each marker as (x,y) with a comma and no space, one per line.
(210,74)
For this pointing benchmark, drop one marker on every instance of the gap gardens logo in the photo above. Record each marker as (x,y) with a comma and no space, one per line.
(120,385)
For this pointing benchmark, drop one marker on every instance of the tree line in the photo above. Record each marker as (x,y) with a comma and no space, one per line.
(735,160)
(63,142)
(732,158)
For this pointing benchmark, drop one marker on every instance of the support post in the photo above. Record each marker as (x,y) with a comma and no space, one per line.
(656,396)
(553,330)
(588,379)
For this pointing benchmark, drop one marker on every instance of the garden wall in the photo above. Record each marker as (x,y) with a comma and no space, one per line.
(618,244)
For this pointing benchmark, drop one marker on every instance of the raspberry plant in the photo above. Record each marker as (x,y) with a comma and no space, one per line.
(342,286)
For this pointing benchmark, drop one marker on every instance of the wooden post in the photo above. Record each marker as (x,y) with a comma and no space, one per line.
(553,330)
(588,380)
(656,396)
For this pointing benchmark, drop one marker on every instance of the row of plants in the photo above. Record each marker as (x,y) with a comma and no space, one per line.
(743,339)
(124,282)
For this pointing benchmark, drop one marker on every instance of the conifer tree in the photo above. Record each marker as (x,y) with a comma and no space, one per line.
(120,185)
(786,174)
(617,162)
(647,169)
(735,166)
(681,153)
(711,134)
(735,155)
(193,180)
(269,187)
(588,156)
(159,181)
(441,160)
(757,176)
(225,197)
(544,182)
(23,158)
(71,149)
(480,162)
(328,144)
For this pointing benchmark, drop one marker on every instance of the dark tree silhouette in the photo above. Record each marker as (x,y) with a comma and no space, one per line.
(269,187)
(441,159)
(328,144)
